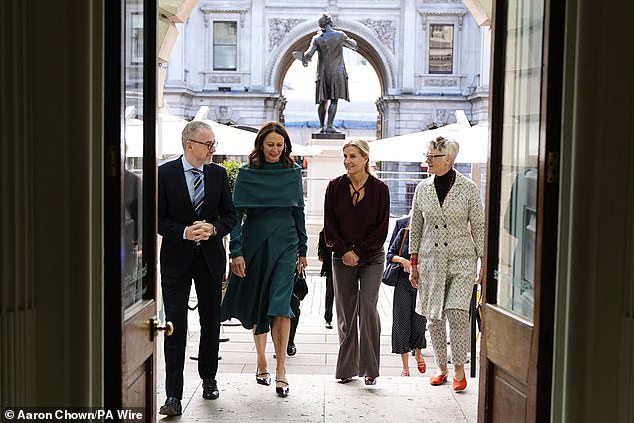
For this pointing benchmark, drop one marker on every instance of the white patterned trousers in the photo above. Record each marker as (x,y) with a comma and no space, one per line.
(458,335)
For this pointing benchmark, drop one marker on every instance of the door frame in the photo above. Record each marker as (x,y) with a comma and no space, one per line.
(538,336)
(119,323)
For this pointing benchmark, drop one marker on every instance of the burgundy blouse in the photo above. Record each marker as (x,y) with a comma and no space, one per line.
(362,228)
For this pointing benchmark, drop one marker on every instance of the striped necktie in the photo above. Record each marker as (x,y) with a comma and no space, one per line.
(199,190)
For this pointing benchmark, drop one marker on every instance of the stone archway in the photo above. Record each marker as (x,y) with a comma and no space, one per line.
(379,57)
(376,51)
(365,49)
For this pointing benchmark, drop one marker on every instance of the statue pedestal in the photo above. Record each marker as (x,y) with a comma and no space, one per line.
(323,167)
(328,136)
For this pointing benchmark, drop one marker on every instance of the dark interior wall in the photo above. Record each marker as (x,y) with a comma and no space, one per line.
(50,303)
(17,308)
(594,348)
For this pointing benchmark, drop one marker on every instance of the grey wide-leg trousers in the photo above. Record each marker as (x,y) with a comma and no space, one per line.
(358,321)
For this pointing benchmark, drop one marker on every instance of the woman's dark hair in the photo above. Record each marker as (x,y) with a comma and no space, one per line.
(256,158)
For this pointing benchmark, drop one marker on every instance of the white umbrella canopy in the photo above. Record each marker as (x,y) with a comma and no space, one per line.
(305,150)
(133,137)
(474,147)
(238,142)
(170,128)
(473,142)
(231,141)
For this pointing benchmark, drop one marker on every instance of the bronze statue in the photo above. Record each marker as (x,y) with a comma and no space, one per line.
(332,79)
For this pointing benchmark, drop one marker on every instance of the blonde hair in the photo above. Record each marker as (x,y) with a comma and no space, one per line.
(363,147)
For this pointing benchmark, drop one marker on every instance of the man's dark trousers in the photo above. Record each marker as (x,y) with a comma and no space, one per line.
(176,293)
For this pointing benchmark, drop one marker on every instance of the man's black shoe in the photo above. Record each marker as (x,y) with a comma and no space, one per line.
(172,407)
(291,350)
(210,389)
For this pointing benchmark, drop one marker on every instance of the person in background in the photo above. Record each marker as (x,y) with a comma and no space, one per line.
(194,212)
(356,215)
(446,241)
(267,245)
(291,349)
(325,257)
(408,327)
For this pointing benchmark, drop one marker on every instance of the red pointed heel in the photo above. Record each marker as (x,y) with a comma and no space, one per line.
(438,380)
(460,385)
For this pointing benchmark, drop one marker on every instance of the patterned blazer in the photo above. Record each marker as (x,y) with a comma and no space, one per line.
(451,233)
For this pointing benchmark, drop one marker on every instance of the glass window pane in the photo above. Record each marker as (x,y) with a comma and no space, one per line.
(133,263)
(520,148)
(225,46)
(136,38)
(224,58)
(440,48)
(225,33)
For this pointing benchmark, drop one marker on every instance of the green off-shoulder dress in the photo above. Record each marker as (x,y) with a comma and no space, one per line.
(270,235)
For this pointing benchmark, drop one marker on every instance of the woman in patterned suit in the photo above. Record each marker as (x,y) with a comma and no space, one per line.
(446,241)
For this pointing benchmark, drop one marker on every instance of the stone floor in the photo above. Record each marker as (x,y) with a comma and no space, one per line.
(315,395)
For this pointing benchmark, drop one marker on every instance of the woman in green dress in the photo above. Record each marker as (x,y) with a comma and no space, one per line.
(267,245)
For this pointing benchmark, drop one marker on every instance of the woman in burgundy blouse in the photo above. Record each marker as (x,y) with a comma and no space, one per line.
(357,209)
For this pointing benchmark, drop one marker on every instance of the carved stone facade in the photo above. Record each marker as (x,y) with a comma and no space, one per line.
(384,29)
(279,28)
(394,36)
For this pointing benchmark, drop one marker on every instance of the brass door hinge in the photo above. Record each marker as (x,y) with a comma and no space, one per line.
(552,167)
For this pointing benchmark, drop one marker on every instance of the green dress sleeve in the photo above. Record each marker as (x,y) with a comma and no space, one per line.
(235,244)
(300,224)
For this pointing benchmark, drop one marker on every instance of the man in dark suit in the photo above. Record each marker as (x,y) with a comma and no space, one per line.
(194,212)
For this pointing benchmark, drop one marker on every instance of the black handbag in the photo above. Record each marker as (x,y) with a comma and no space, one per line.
(391,273)
(393,270)
(300,287)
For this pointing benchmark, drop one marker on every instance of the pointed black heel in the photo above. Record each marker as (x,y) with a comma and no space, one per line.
(282,391)
(263,378)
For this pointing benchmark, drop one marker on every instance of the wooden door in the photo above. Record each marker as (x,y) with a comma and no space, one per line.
(519,290)
(130,206)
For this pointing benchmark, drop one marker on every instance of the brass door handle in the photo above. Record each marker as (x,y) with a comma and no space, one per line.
(155,328)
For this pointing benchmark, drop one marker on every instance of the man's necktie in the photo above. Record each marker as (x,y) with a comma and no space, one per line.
(199,190)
